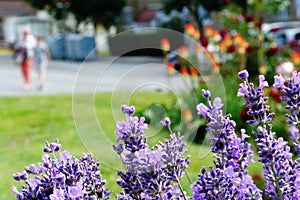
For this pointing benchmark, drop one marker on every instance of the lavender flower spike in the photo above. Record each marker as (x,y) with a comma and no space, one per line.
(280,171)
(131,132)
(256,102)
(290,90)
(230,178)
(65,177)
(150,173)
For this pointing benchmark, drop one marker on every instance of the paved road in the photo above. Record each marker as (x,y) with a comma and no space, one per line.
(100,75)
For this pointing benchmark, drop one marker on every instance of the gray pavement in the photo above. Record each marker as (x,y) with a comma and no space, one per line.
(107,74)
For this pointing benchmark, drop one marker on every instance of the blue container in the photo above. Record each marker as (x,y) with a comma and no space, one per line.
(72,47)
(56,47)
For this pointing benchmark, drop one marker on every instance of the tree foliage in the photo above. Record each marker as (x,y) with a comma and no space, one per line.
(98,11)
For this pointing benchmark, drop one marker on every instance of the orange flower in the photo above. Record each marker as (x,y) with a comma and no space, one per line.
(238,38)
(165,44)
(183,52)
(189,29)
(295,57)
(215,34)
(171,68)
(208,31)
(187,115)
(197,34)
(184,71)
(222,46)
(193,71)
(227,40)
(262,69)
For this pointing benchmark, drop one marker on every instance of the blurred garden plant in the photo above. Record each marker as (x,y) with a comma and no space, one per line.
(264,52)
(155,172)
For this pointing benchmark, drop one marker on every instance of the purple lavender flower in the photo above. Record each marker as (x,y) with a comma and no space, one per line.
(280,171)
(132,131)
(151,173)
(230,178)
(256,102)
(290,90)
(65,177)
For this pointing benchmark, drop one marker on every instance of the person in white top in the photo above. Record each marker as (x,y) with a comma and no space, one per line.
(41,60)
(26,48)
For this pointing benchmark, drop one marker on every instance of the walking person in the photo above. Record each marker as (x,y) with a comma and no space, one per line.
(25,49)
(41,60)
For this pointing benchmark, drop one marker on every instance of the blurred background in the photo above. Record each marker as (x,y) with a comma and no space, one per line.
(72,24)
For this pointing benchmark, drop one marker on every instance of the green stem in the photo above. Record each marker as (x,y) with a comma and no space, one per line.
(181,189)
(280,196)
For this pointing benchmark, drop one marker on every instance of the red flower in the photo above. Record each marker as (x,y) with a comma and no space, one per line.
(250,18)
(274,30)
(244,15)
(244,116)
(231,49)
(275,94)
(204,42)
(293,43)
(257,177)
(223,32)
(273,51)
(250,49)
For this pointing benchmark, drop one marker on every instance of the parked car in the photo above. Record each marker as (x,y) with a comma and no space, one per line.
(283,32)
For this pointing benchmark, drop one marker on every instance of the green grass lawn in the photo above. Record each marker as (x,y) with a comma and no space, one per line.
(26,122)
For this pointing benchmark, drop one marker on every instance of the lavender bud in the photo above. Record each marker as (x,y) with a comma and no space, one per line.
(47,150)
(166,122)
(129,110)
(17,176)
(243,74)
(23,176)
(205,93)
(31,169)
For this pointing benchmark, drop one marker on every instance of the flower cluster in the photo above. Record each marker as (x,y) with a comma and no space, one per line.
(60,178)
(215,48)
(290,90)
(151,173)
(230,178)
(280,171)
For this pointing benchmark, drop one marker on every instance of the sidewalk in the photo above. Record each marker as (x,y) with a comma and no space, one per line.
(106,74)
